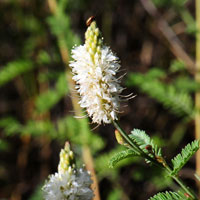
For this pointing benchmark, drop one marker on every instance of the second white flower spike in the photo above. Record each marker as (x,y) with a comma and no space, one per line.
(69,183)
(94,67)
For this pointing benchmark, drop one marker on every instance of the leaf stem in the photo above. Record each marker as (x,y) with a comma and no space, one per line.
(155,161)
(192,195)
(127,138)
(135,146)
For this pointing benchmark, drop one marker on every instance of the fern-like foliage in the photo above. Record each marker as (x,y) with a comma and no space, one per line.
(185,84)
(102,161)
(178,101)
(14,69)
(177,66)
(76,132)
(47,100)
(145,143)
(181,159)
(120,156)
(10,125)
(168,196)
(4,145)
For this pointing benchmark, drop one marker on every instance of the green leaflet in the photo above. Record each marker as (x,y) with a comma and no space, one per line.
(120,156)
(181,159)
(48,99)
(177,66)
(14,69)
(185,84)
(10,126)
(4,145)
(168,196)
(178,101)
(144,141)
(101,163)
(60,26)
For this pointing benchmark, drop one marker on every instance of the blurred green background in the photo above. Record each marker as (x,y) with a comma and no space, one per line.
(155,41)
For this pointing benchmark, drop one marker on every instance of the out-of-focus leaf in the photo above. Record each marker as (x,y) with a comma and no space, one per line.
(115,194)
(179,102)
(13,69)
(43,57)
(176,66)
(40,127)
(10,126)
(37,193)
(48,99)
(4,145)
(70,128)
(186,84)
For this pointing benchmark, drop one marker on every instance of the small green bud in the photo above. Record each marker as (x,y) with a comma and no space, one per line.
(66,159)
(93,40)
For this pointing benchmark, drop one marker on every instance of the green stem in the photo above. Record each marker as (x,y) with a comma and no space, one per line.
(185,188)
(136,148)
(127,138)
(181,183)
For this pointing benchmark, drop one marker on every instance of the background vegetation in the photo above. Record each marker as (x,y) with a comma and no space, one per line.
(155,41)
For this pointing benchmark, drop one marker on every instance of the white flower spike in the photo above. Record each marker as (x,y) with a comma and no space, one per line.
(94,67)
(69,183)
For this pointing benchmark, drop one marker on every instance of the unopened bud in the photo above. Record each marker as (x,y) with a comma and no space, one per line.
(66,159)
(119,138)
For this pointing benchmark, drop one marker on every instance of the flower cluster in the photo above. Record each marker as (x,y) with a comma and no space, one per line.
(69,183)
(94,67)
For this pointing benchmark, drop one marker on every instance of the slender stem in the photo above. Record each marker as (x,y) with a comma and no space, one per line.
(127,138)
(185,188)
(135,146)
(181,183)
(161,164)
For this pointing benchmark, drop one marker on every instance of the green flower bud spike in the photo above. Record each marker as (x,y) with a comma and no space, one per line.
(66,160)
(93,41)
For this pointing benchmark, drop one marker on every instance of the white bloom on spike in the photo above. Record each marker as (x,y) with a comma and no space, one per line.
(69,183)
(69,186)
(94,67)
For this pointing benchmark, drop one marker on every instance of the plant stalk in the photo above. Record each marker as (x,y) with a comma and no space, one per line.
(134,146)
(127,138)
(163,164)
(181,183)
